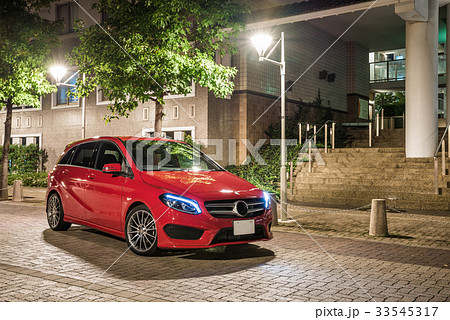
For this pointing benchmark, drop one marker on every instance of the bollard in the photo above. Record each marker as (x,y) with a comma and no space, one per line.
(17,191)
(273,204)
(378,219)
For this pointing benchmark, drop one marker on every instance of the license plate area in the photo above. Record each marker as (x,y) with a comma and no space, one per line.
(241,227)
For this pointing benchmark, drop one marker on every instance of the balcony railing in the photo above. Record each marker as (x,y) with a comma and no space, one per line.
(395,70)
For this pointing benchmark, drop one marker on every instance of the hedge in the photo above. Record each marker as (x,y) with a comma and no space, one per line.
(29,179)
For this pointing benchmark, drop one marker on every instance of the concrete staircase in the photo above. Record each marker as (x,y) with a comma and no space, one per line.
(388,138)
(352,177)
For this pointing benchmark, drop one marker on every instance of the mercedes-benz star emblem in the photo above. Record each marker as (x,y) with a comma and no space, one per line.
(240,208)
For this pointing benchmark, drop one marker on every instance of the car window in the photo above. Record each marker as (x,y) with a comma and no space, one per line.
(161,155)
(108,153)
(65,159)
(84,154)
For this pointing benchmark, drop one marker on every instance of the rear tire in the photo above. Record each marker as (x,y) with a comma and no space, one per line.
(140,231)
(55,214)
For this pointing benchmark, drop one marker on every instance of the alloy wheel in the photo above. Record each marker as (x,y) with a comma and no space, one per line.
(141,232)
(54,211)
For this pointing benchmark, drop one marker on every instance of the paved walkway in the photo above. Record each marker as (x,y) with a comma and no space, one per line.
(38,264)
(428,228)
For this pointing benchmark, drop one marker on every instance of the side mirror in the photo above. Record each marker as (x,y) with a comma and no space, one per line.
(112,168)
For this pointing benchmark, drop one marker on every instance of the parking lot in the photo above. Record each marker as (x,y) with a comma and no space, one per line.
(37,264)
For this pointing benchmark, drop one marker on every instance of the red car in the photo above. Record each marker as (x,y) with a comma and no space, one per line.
(155,193)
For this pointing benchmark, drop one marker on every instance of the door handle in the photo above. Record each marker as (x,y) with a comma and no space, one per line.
(91,176)
(65,171)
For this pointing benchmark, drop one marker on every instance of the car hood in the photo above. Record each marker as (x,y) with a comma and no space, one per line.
(208,185)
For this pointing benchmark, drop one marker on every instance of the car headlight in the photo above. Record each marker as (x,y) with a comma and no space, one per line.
(180,203)
(266,200)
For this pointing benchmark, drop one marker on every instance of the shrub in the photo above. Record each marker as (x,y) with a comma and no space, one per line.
(265,177)
(29,179)
(24,158)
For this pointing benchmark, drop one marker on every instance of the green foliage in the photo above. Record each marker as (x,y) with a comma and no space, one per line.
(146,50)
(29,179)
(24,158)
(393,103)
(394,109)
(388,98)
(266,177)
(25,41)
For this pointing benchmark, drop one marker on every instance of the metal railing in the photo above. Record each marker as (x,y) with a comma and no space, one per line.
(379,119)
(383,71)
(308,127)
(436,163)
(395,70)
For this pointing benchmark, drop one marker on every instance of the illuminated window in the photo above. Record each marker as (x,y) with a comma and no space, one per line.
(62,96)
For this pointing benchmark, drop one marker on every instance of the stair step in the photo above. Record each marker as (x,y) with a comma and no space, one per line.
(359,202)
(354,176)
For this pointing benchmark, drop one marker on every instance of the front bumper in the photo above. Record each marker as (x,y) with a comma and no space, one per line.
(205,231)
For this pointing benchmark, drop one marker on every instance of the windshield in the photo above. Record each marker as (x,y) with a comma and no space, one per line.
(160,155)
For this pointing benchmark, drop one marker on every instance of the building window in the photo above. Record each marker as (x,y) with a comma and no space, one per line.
(175,114)
(26,140)
(17,122)
(69,13)
(21,107)
(192,111)
(102,98)
(145,114)
(62,96)
(28,122)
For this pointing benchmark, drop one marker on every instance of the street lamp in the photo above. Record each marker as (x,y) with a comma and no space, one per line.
(58,72)
(261,43)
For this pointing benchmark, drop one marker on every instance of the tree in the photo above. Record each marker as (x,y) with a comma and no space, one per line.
(25,41)
(148,49)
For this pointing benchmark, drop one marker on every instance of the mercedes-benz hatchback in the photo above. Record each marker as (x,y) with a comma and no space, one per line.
(155,193)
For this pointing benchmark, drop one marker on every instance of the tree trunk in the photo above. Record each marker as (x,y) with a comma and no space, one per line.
(5,152)
(158,119)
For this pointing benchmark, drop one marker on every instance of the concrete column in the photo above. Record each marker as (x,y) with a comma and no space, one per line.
(422,84)
(447,45)
(17,191)
(378,220)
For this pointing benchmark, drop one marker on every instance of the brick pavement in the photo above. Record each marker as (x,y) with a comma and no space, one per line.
(428,228)
(37,264)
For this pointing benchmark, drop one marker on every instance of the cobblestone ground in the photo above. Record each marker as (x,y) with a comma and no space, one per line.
(37,264)
(410,227)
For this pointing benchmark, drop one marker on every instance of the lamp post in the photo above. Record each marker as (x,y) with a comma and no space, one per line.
(58,72)
(261,43)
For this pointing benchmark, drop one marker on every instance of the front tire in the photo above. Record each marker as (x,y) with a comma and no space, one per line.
(140,231)
(55,214)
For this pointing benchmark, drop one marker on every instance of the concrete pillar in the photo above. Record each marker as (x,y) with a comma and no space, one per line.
(273,204)
(422,84)
(378,219)
(17,191)
(447,47)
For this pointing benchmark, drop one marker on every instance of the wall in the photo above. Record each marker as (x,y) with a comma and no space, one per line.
(304,43)
(258,83)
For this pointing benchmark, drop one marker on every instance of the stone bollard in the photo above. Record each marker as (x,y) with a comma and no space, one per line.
(273,204)
(378,220)
(17,191)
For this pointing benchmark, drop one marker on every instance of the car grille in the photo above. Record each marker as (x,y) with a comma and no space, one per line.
(226,235)
(224,208)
